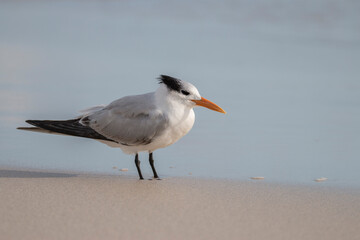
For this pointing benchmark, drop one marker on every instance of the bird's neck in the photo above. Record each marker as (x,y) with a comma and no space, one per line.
(170,104)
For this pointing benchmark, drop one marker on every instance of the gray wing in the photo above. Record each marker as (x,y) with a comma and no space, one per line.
(132,120)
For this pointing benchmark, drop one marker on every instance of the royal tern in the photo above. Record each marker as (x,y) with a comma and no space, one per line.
(138,123)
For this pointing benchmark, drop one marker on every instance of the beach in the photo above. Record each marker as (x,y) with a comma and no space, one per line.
(53,205)
(283,163)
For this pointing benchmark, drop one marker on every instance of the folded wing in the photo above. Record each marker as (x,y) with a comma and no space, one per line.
(131,121)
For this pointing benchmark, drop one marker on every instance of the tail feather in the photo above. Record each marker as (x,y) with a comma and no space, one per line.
(68,127)
(40,130)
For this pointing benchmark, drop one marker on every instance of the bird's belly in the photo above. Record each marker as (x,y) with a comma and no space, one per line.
(170,135)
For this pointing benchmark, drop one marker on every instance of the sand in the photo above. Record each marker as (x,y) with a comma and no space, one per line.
(45,205)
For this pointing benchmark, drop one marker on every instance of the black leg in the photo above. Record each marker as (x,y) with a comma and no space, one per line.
(137,163)
(151,161)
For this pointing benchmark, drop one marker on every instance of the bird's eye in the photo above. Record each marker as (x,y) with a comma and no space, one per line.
(185,92)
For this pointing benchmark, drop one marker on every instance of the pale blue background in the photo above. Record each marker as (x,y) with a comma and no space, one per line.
(287,73)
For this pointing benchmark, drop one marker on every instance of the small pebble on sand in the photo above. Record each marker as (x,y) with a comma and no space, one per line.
(257,178)
(123,169)
(320,179)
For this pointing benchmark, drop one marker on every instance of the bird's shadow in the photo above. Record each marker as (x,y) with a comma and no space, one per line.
(32,174)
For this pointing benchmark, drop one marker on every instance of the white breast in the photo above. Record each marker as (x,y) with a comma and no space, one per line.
(180,119)
(179,125)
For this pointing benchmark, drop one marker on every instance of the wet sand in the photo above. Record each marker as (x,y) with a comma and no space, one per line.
(46,205)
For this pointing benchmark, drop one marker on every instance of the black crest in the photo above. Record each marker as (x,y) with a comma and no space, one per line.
(170,82)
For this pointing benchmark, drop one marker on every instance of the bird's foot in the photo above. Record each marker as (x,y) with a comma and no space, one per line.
(155,178)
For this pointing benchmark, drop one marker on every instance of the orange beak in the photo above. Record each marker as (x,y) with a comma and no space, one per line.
(208,104)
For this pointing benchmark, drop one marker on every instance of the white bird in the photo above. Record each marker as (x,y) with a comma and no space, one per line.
(138,123)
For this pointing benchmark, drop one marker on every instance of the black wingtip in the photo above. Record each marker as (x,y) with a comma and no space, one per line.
(70,127)
(27,128)
(32,122)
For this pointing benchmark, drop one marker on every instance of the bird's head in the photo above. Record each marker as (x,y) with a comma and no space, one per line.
(187,93)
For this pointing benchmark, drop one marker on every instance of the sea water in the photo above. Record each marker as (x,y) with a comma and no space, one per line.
(287,73)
